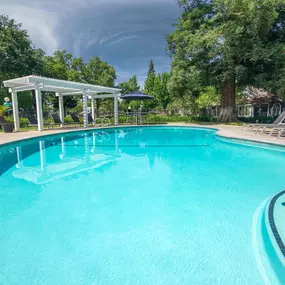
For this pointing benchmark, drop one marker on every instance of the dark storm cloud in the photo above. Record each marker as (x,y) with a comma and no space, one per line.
(125,33)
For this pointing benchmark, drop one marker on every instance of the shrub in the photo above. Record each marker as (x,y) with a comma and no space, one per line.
(258,119)
(23,121)
(68,119)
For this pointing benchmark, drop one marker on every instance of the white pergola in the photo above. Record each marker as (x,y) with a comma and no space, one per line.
(61,88)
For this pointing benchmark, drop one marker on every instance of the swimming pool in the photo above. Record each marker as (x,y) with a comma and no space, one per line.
(142,205)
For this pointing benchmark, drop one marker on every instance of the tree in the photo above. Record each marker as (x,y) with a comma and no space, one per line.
(129,86)
(63,65)
(18,57)
(59,66)
(133,84)
(208,97)
(161,91)
(99,72)
(229,44)
(149,83)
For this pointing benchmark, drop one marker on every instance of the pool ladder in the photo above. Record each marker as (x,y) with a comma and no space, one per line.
(102,122)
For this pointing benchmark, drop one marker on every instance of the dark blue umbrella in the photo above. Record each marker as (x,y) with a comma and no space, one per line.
(136,96)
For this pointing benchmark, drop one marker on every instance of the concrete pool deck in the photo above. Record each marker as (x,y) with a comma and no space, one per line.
(227,131)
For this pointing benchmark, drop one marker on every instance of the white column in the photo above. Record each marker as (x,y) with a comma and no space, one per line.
(39,109)
(61,107)
(15,111)
(116,113)
(85,105)
(93,108)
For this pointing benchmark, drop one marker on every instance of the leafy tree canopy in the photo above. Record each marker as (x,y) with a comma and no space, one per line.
(129,86)
(18,57)
(228,44)
(149,83)
(161,90)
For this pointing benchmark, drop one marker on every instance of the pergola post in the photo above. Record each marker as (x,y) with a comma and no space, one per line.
(61,108)
(93,109)
(39,109)
(15,111)
(85,107)
(62,88)
(116,113)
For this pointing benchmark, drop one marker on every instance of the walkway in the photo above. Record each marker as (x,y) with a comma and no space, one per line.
(227,131)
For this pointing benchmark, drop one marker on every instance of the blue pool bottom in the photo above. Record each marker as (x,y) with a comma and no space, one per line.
(156,205)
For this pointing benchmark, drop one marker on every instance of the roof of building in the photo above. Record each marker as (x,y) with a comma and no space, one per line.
(253,95)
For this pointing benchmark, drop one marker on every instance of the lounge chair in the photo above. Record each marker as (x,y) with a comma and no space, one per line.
(90,119)
(278,131)
(57,120)
(97,121)
(75,119)
(281,132)
(279,121)
(33,122)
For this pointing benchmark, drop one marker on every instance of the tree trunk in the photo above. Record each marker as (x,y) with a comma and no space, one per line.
(227,113)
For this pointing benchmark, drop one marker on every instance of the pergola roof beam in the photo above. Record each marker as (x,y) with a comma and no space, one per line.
(71,84)
(56,85)
(17,82)
(104,96)
(26,88)
(59,90)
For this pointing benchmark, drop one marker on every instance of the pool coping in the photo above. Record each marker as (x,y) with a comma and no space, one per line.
(223,131)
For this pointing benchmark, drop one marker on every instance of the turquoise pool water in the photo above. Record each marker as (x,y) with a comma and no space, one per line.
(155,205)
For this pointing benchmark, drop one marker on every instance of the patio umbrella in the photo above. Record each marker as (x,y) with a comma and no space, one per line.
(136,96)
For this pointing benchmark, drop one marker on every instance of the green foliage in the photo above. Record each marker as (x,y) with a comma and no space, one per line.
(17,54)
(225,44)
(23,121)
(9,119)
(77,109)
(2,111)
(68,119)
(25,100)
(161,92)
(129,86)
(258,119)
(208,97)
(156,119)
(149,83)
(99,72)
(63,65)
(185,105)
(18,57)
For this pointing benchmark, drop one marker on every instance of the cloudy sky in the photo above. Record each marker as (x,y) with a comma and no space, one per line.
(125,33)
